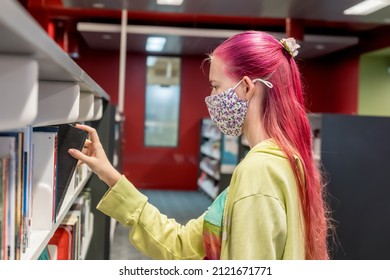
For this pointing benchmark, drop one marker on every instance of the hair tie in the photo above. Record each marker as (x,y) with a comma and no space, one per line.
(290,45)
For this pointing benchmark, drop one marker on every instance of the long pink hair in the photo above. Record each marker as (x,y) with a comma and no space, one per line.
(259,55)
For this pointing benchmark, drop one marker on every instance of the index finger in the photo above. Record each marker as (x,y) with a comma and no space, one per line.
(94,137)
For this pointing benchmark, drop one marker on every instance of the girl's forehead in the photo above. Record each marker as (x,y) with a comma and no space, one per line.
(217,67)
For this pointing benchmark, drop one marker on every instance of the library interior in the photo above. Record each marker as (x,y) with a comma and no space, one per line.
(137,73)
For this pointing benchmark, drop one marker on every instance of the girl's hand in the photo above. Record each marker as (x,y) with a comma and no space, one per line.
(95,157)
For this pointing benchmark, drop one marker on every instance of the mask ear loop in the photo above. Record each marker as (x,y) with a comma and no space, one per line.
(247,102)
(237,84)
(267,83)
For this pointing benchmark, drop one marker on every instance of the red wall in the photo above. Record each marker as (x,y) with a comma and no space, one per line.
(330,84)
(103,67)
(164,168)
(154,168)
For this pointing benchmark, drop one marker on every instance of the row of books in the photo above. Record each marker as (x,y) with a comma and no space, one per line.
(211,148)
(210,166)
(208,184)
(210,130)
(36,173)
(219,155)
(71,239)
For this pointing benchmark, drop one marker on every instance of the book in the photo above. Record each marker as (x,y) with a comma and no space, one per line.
(79,208)
(45,255)
(8,150)
(2,183)
(229,155)
(53,251)
(5,162)
(61,244)
(17,179)
(69,137)
(44,178)
(72,223)
(17,201)
(19,136)
(27,186)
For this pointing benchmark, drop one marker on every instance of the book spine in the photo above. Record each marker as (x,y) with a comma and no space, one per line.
(19,197)
(4,187)
(55,179)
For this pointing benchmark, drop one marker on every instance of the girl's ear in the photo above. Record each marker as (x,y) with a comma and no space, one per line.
(249,87)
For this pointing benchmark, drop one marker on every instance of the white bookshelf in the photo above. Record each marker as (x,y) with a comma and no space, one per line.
(209,188)
(315,124)
(22,36)
(59,102)
(209,171)
(39,238)
(215,153)
(18,75)
(40,86)
(87,239)
(97,108)
(86,109)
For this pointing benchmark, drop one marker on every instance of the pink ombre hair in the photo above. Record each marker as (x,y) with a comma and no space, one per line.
(259,55)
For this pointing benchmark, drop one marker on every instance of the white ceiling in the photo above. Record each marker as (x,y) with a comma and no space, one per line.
(327,10)
(197,40)
(107,36)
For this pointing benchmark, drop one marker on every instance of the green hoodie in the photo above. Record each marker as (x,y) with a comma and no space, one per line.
(261,220)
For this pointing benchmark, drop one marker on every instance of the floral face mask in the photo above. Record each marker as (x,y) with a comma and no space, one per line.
(228,111)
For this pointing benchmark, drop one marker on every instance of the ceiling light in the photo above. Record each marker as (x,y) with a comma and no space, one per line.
(98,5)
(157,30)
(170,2)
(74,55)
(155,44)
(106,37)
(367,7)
(151,61)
